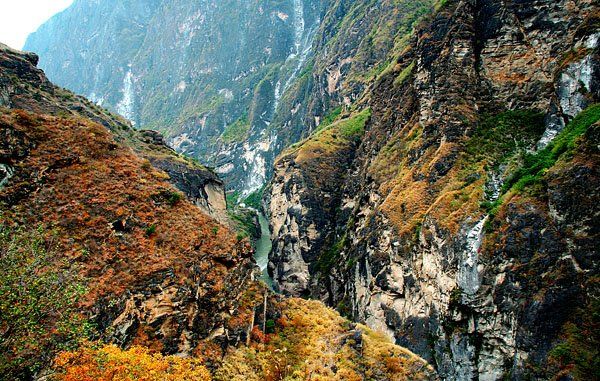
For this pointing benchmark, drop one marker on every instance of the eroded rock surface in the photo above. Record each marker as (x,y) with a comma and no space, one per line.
(483,292)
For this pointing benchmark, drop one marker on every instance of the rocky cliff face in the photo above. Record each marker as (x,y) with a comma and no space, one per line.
(441,226)
(209,74)
(232,83)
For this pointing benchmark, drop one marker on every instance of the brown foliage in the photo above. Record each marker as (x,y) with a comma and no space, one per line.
(74,177)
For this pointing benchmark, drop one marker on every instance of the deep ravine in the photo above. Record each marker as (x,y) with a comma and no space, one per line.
(262,249)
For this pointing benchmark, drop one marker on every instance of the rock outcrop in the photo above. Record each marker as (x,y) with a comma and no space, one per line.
(24,86)
(444,232)
(157,267)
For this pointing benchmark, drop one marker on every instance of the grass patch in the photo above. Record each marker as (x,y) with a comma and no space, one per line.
(38,307)
(399,80)
(333,138)
(237,131)
(331,256)
(169,196)
(330,118)
(535,165)
(498,137)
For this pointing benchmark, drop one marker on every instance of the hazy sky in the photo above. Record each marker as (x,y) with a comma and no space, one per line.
(18,18)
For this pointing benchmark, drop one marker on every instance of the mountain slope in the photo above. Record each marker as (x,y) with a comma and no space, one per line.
(413,231)
(140,246)
(232,83)
(437,171)
(96,242)
(208,74)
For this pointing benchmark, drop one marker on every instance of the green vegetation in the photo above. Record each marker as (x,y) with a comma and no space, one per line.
(499,140)
(404,74)
(354,126)
(333,137)
(578,352)
(536,164)
(167,195)
(150,230)
(440,4)
(330,118)
(232,199)
(254,200)
(237,131)
(331,256)
(498,137)
(244,219)
(38,307)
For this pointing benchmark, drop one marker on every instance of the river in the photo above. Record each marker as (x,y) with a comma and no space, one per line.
(262,249)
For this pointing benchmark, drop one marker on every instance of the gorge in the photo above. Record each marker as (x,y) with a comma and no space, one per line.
(426,168)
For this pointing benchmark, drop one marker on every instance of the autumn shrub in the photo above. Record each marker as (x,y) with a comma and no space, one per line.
(38,304)
(169,196)
(313,342)
(109,362)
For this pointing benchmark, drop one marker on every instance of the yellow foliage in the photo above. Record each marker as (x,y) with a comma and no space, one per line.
(310,342)
(313,342)
(111,363)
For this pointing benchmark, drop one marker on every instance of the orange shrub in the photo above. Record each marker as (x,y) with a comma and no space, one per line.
(110,363)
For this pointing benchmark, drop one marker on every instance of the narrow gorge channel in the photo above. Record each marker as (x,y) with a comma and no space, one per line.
(262,249)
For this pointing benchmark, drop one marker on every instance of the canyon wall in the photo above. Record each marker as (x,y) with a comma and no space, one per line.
(441,226)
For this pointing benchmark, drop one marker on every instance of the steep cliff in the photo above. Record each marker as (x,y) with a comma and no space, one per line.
(207,74)
(232,83)
(442,225)
(96,242)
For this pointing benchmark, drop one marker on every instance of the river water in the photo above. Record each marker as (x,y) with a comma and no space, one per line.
(263,247)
